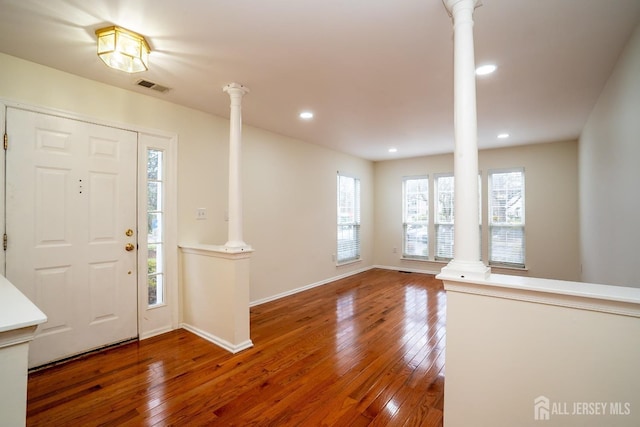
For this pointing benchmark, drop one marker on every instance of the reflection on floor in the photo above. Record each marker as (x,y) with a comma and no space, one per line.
(365,350)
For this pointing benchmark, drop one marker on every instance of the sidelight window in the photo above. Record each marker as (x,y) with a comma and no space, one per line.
(155,227)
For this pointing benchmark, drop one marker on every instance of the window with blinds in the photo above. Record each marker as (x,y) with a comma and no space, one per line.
(506,218)
(348,219)
(443,219)
(415,214)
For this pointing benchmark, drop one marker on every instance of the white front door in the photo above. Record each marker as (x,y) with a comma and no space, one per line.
(70,201)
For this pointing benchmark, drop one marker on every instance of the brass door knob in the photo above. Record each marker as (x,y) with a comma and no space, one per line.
(129,247)
(129,232)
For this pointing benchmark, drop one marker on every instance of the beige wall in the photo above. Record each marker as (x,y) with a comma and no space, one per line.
(289,185)
(203,138)
(290,206)
(551,187)
(610,175)
(290,199)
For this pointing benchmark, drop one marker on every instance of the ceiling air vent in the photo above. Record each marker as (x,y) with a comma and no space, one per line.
(152,85)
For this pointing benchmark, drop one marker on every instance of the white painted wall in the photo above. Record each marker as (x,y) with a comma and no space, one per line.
(13,391)
(19,319)
(503,353)
(551,187)
(216,295)
(610,175)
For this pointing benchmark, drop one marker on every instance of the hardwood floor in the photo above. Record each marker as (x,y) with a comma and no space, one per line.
(365,350)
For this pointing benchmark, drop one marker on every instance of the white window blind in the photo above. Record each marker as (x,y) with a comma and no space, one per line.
(506,218)
(348,219)
(443,219)
(415,213)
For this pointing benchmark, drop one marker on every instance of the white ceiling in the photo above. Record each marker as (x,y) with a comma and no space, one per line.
(376,73)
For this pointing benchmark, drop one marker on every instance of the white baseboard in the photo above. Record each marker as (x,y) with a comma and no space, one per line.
(233,348)
(307,287)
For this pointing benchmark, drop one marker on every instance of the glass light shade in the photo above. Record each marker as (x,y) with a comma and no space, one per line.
(123,49)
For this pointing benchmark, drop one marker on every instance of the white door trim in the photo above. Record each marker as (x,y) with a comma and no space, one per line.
(3,128)
(145,328)
(153,321)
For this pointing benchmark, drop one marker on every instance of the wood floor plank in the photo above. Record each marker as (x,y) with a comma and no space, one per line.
(364,350)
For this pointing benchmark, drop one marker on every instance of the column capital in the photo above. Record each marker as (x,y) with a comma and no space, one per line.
(451,5)
(235,89)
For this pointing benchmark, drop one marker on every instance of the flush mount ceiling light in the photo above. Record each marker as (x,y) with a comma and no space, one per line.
(393,150)
(306,115)
(483,70)
(503,135)
(123,50)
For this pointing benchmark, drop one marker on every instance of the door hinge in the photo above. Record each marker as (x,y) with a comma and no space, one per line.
(4,241)
(6,141)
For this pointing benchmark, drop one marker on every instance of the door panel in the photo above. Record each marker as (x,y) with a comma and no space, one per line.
(53,291)
(71,195)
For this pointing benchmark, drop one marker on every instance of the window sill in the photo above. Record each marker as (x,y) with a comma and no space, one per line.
(446,261)
(403,258)
(435,261)
(506,267)
(352,261)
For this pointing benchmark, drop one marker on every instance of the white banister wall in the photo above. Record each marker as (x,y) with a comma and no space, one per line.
(513,342)
(466,259)
(19,318)
(526,351)
(216,278)
(216,295)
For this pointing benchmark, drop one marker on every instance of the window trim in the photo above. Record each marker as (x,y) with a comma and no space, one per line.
(160,272)
(405,223)
(355,225)
(158,318)
(491,225)
(436,223)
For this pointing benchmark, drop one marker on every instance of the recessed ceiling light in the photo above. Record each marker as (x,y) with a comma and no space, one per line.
(393,150)
(483,70)
(503,135)
(306,115)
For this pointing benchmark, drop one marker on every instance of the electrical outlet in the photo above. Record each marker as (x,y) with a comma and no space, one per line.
(201,213)
(395,250)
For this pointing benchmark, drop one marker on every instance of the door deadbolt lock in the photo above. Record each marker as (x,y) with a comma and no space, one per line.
(129,247)
(129,232)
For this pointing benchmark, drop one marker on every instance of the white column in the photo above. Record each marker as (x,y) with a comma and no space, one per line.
(235,239)
(466,262)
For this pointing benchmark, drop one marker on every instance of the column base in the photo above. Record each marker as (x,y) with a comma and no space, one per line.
(470,270)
